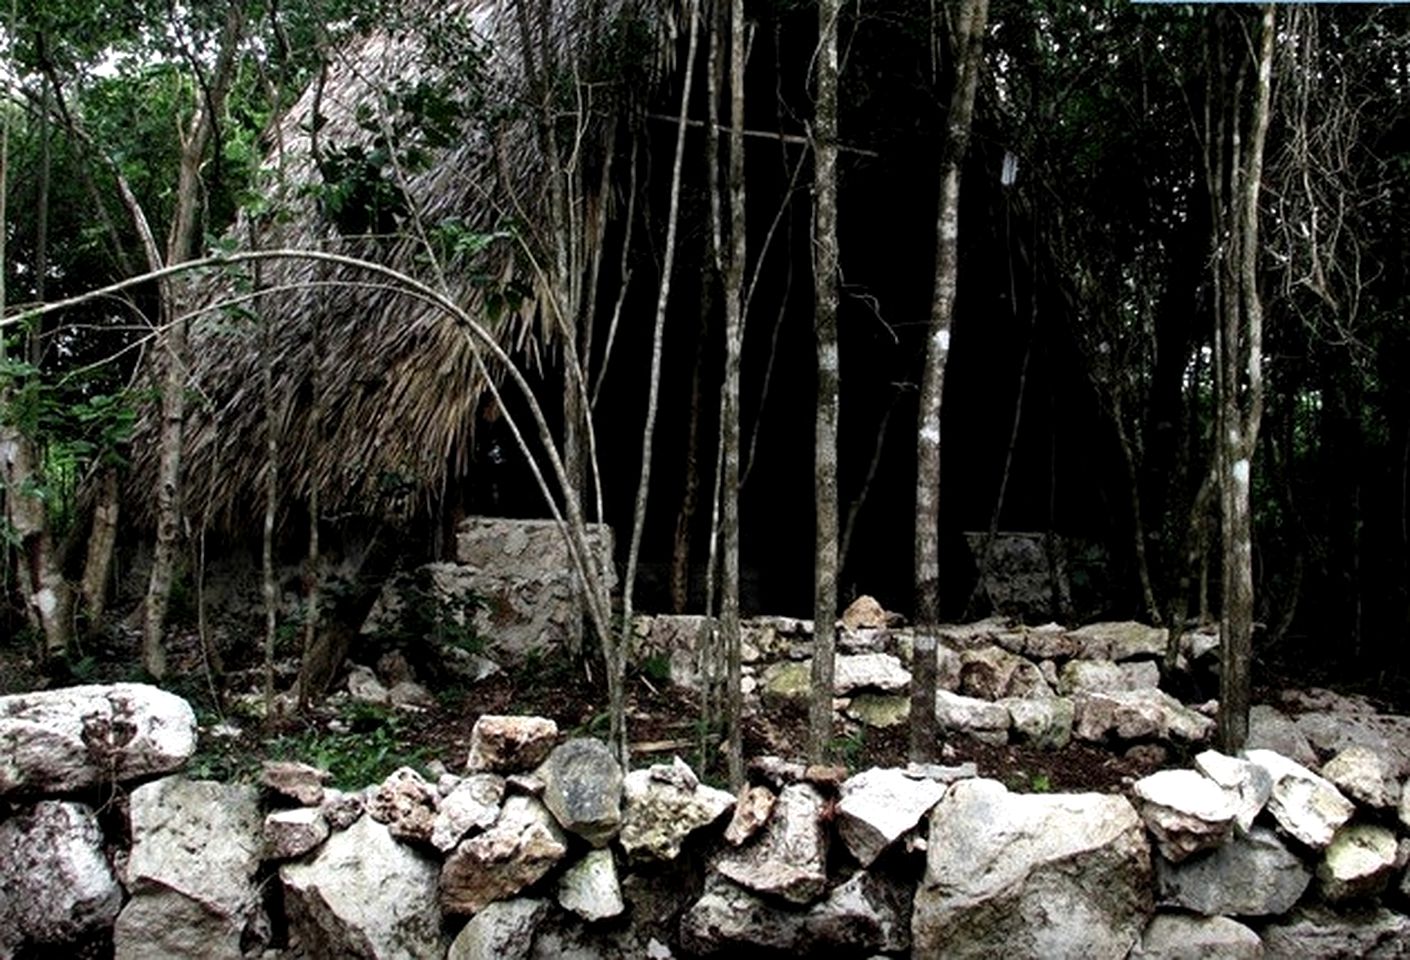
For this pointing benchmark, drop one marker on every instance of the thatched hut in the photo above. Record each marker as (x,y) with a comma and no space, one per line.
(421,148)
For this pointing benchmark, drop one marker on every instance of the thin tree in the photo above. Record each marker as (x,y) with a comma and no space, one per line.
(825,256)
(969,53)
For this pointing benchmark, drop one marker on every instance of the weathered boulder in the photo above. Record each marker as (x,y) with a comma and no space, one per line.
(365,895)
(992,673)
(518,850)
(406,803)
(590,887)
(1105,676)
(787,679)
(878,806)
(663,805)
(472,804)
(980,719)
(1046,642)
(1363,775)
(293,782)
(1185,811)
(751,812)
(500,744)
(582,785)
(868,671)
(1178,936)
(1253,875)
(340,809)
(1271,729)
(881,710)
(1060,875)
(1358,863)
(1334,730)
(1045,723)
(56,887)
(1146,714)
(502,931)
(292,833)
(1304,804)
(865,913)
(364,687)
(674,639)
(789,859)
(1316,932)
(1248,785)
(196,846)
(863,612)
(58,741)
(1119,640)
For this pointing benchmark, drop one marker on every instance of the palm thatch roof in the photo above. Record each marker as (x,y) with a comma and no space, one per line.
(399,382)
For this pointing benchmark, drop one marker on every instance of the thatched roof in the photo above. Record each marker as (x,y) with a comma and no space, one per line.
(399,380)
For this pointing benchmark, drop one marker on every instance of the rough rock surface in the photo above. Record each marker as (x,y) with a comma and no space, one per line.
(1254,875)
(1119,640)
(1185,811)
(196,846)
(1304,804)
(1248,784)
(992,673)
(294,782)
(590,887)
(502,931)
(864,611)
(789,859)
(1045,723)
(878,806)
(1271,729)
(1032,875)
(365,895)
(500,744)
(985,721)
(472,804)
(751,812)
(1363,775)
(1315,932)
(1147,714)
(1358,863)
(865,913)
(880,710)
(56,887)
(1349,724)
(1178,936)
(582,785)
(1104,676)
(663,805)
(293,833)
(868,671)
(57,741)
(406,803)
(518,850)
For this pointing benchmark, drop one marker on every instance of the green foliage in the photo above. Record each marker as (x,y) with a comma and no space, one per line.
(364,753)
(430,616)
(657,668)
(850,750)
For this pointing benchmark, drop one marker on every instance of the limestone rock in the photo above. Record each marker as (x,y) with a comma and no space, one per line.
(56,887)
(1358,863)
(292,833)
(500,744)
(590,887)
(502,931)
(751,812)
(1124,640)
(341,810)
(992,673)
(1105,676)
(518,850)
(1248,784)
(196,845)
(863,612)
(409,693)
(1253,875)
(1178,936)
(58,741)
(865,913)
(1045,723)
(881,710)
(1146,714)
(789,859)
(406,803)
(1363,775)
(367,896)
(582,785)
(878,806)
(294,782)
(787,679)
(1304,804)
(1316,932)
(1185,811)
(1388,735)
(1045,642)
(1061,875)
(364,687)
(663,805)
(472,804)
(1404,811)
(1271,729)
(985,721)
(868,671)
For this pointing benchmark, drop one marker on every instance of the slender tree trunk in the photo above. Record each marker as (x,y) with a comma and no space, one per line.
(101,541)
(729,420)
(969,46)
(270,587)
(825,257)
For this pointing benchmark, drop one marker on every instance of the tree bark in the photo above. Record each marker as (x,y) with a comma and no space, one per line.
(969,46)
(825,259)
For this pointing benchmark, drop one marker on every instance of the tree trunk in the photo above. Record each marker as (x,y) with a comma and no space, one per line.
(825,257)
(101,541)
(969,46)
